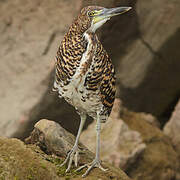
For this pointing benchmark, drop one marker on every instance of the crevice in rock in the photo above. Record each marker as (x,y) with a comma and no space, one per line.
(161,81)
(166,115)
(150,48)
(50,41)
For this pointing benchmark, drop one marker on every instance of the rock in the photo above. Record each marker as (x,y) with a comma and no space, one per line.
(159,160)
(30,34)
(53,139)
(172,128)
(150,119)
(18,161)
(120,145)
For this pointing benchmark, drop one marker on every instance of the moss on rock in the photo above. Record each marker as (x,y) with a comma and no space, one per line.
(27,162)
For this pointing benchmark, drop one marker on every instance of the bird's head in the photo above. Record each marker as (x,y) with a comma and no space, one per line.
(93,17)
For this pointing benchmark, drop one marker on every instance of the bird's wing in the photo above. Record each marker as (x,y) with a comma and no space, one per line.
(102,77)
(68,58)
(107,86)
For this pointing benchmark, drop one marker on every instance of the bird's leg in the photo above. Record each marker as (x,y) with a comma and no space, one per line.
(96,162)
(73,154)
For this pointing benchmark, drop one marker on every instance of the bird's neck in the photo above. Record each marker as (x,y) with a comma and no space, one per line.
(78,30)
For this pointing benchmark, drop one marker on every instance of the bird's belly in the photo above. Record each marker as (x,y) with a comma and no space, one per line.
(82,99)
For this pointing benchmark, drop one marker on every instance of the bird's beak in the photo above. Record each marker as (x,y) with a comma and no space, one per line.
(114,11)
(107,13)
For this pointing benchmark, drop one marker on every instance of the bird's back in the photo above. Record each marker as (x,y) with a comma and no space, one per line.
(85,75)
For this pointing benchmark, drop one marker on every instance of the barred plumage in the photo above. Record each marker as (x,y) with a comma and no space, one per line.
(85,76)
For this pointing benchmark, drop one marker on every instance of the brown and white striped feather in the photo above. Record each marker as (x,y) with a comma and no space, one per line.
(85,76)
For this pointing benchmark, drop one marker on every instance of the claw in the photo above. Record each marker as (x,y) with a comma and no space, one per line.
(90,166)
(72,155)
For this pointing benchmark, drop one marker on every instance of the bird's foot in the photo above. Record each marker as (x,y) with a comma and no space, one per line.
(72,155)
(90,166)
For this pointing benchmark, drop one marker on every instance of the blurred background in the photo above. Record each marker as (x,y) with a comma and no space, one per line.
(144,45)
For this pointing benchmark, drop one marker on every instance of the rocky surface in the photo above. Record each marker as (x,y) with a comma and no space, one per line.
(18,161)
(172,128)
(159,160)
(54,140)
(120,145)
(51,142)
(30,34)
(28,162)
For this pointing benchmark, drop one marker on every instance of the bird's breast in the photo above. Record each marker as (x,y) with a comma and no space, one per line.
(76,92)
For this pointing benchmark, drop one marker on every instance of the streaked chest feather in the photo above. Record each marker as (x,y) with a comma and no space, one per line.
(75,92)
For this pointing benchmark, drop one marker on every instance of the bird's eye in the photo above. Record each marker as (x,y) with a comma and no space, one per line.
(91,13)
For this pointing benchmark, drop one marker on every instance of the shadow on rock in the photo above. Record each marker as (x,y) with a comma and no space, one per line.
(160,86)
(51,107)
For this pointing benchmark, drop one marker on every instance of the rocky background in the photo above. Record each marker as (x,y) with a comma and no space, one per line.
(142,134)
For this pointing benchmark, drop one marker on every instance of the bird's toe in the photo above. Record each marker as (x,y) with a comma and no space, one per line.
(71,156)
(90,166)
